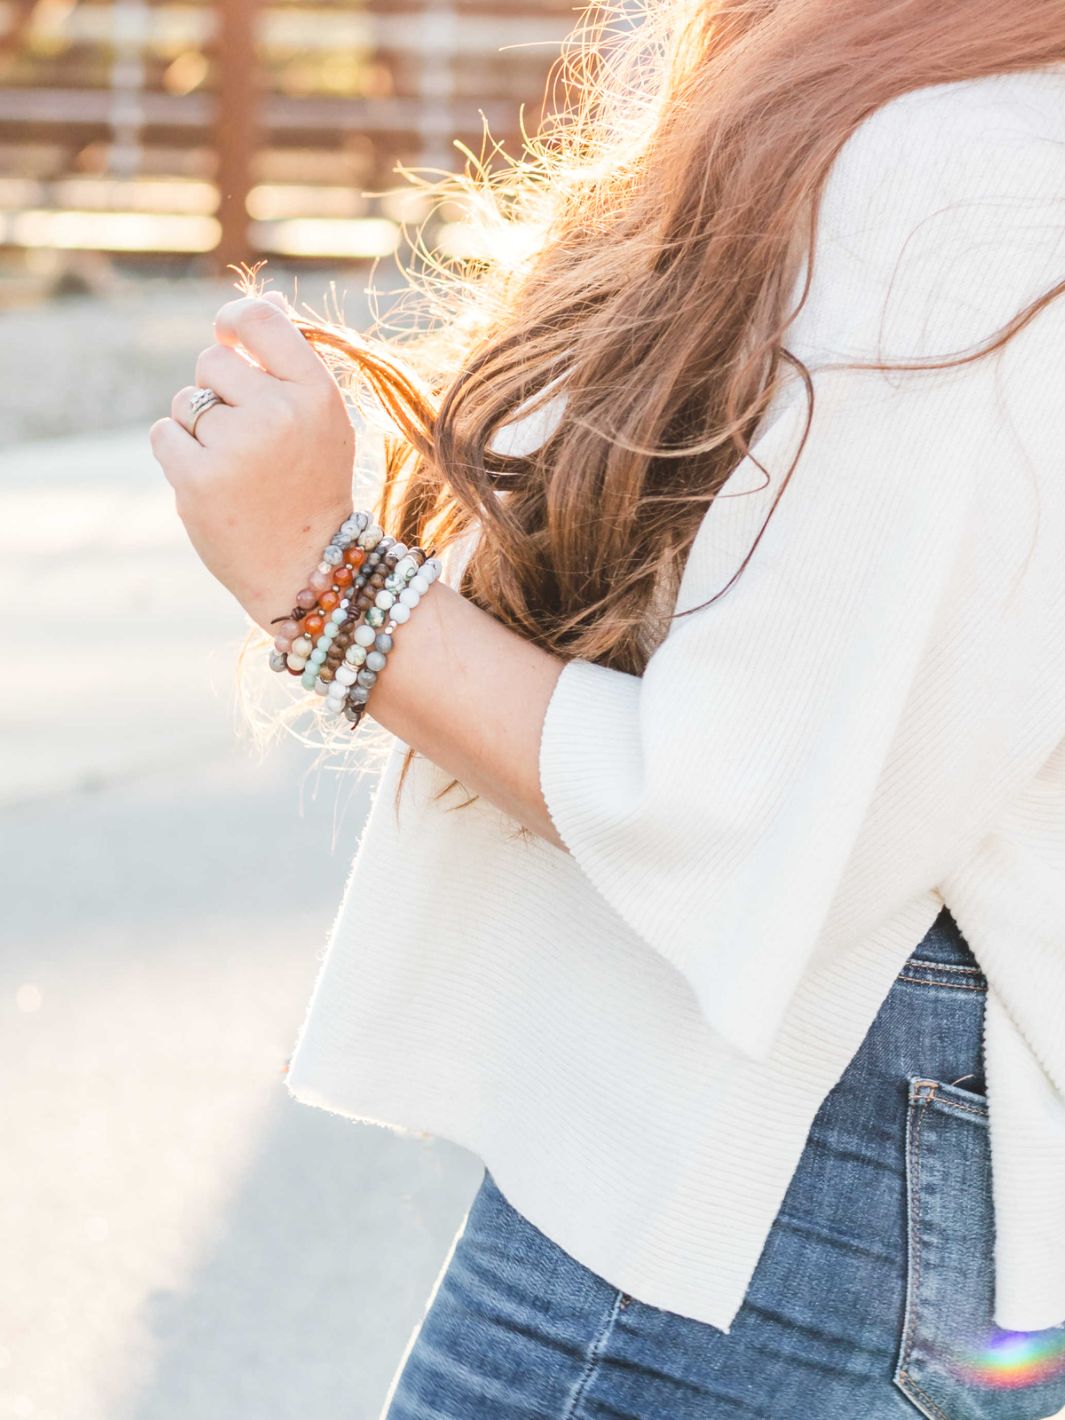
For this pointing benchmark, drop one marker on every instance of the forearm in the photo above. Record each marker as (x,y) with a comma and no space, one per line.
(470,694)
(261,484)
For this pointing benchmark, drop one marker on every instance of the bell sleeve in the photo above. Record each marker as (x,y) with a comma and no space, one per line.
(805,758)
(718,801)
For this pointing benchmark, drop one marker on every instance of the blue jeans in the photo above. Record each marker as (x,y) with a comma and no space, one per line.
(872,1297)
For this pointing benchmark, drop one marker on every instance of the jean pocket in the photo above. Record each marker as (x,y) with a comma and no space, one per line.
(954,1363)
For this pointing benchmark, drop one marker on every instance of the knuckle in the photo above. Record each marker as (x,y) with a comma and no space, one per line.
(245,310)
(226,310)
(256,309)
(208,362)
(284,411)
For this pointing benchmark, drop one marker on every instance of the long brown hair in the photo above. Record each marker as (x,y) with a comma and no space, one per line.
(672,193)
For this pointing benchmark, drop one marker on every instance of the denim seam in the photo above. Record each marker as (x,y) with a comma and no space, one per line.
(591,1365)
(944,965)
(932,1409)
(915,1223)
(946,985)
(955,1104)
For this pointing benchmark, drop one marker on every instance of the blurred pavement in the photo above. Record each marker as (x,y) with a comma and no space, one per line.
(180,1240)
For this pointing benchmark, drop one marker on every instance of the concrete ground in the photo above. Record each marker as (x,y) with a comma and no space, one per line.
(179,1239)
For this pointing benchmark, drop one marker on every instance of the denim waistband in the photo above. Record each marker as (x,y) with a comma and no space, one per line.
(944,942)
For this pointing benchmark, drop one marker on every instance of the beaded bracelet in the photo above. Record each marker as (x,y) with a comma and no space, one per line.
(324,640)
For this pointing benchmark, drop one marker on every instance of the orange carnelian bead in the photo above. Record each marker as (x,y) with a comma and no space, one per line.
(313,624)
(343,576)
(329,601)
(355,556)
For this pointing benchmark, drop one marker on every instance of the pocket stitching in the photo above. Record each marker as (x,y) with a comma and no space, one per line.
(945,965)
(906,1382)
(927,1400)
(957,1104)
(914,1247)
(946,985)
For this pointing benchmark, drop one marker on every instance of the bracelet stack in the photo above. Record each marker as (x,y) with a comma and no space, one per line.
(338,635)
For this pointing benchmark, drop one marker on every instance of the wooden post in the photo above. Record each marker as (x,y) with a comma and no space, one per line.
(236,130)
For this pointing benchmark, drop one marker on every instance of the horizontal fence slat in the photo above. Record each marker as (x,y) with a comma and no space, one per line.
(137,90)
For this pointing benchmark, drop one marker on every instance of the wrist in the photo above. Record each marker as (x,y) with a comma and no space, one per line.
(274,594)
(339,634)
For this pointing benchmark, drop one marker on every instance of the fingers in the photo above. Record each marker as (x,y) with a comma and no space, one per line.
(207,422)
(266,332)
(176,451)
(280,300)
(230,375)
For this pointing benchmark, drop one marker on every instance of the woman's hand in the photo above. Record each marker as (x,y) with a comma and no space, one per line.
(266,480)
(262,488)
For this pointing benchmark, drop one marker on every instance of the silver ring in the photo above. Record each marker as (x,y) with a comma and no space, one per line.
(203,400)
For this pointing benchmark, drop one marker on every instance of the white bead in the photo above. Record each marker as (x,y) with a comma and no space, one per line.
(406,567)
(399,548)
(326,568)
(409,597)
(432,568)
(365,635)
(384,599)
(355,655)
(302,646)
(345,675)
(420,583)
(295,663)
(400,613)
(330,709)
(321,687)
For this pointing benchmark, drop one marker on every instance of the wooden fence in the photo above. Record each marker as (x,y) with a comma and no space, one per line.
(242,127)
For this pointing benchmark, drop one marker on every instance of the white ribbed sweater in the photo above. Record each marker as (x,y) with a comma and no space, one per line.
(870,723)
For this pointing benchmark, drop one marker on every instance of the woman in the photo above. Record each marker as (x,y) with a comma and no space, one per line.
(744,960)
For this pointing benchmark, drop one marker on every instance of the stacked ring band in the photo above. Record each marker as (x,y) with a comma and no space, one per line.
(203,400)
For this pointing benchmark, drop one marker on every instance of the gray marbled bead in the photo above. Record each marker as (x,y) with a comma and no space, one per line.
(376,661)
(278,660)
(333,555)
(366,678)
(383,642)
(359,694)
